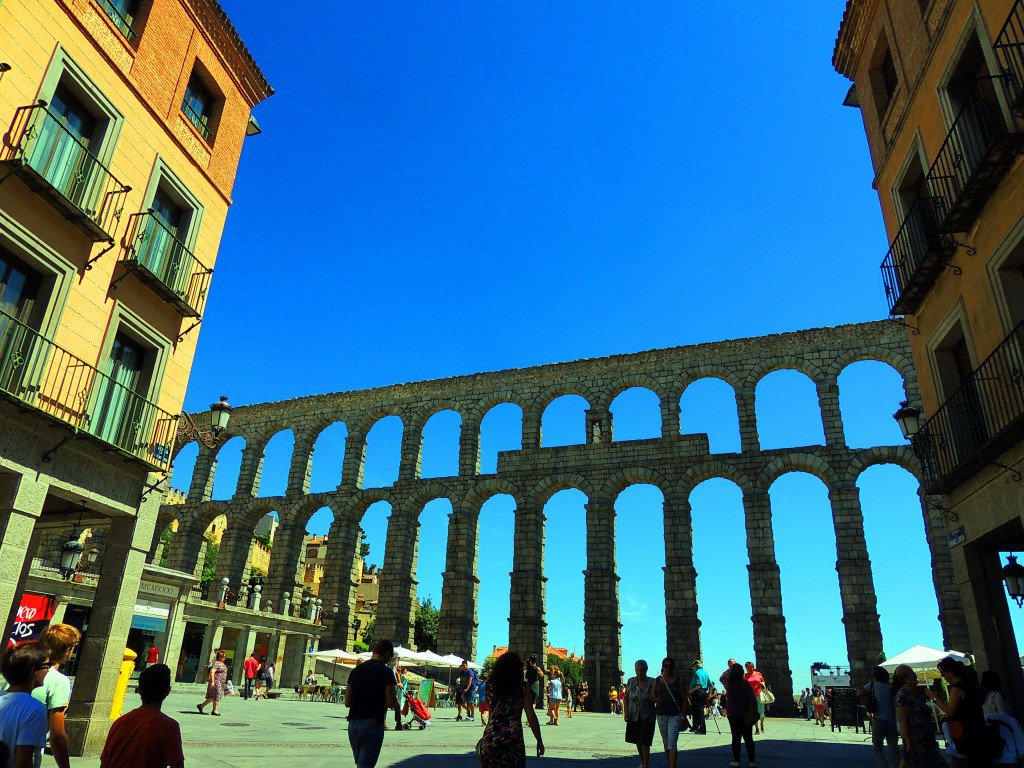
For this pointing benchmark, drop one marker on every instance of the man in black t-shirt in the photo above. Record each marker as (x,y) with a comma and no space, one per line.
(369,695)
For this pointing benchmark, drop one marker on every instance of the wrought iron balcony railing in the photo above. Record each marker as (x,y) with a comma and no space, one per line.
(978,421)
(59,166)
(200,122)
(917,254)
(156,255)
(50,379)
(119,19)
(977,153)
(1009,50)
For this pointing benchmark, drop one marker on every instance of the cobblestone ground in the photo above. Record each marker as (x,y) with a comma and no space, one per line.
(308,734)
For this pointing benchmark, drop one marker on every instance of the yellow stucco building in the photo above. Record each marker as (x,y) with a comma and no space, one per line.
(123,124)
(940,85)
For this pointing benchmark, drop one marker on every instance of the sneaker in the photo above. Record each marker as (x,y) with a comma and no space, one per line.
(458,719)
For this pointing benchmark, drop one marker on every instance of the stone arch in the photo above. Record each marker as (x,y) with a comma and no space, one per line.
(651,382)
(732,414)
(552,484)
(183,465)
(795,461)
(425,492)
(278,475)
(696,474)
(490,400)
(484,490)
(439,453)
(788,362)
(370,496)
(220,486)
(617,482)
(806,402)
(385,423)
(900,455)
(729,375)
(634,420)
(561,389)
(877,353)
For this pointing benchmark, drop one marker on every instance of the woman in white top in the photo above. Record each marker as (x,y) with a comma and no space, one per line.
(554,695)
(992,701)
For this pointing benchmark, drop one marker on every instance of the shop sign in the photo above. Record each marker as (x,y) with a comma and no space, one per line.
(34,614)
(956,537)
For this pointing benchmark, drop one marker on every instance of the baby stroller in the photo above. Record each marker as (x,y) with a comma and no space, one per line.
(420,713)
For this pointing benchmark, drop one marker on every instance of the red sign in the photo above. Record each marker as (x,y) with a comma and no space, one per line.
(34,614)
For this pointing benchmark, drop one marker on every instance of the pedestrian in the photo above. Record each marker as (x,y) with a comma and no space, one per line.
(740,701)
(670,703)
(484,707)
(146,737)
(992,701)
(699,685)
(463,683)
(58,641)
(581,696)
(638,712)
(249,668)
(881,705)
(271,672)
(401,686)
(152,655)
(216,680)
(503,744)
(310,678)
(22,716)
(920,750)
(261,679)
(534,679)
(613,699)
(369,695)
(963,712)
(554,695)
(622,696)
(818,700)
(811,715)
(756,680)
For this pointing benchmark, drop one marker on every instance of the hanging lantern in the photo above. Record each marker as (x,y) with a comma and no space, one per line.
(1013,576)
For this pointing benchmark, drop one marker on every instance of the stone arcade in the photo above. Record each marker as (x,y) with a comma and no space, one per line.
(601,468)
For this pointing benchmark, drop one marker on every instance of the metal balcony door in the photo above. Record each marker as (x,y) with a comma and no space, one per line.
(119,407)
(61,153)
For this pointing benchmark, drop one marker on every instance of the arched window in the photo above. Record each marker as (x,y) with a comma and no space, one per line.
(501,429)
(564,422)
(788,412)
(432,549)
(328,458)
(640,558)
(229,464)
(565,559)
(439,454)
(636,415)
(870,392)
(497,545)
(708,406)
(184,466)
(277,461)
(383,453)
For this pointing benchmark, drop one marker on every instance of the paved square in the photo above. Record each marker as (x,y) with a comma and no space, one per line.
(309,734)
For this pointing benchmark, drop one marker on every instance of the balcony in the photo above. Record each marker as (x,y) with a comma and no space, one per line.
(1009,50)
(38,373)
(977,153)
(978,422)
(917,254)
(55,163)
(158,258)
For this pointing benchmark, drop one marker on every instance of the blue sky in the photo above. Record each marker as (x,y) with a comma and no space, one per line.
(449,188)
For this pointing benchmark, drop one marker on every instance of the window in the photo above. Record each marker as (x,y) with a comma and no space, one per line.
(883,76)
(123,13)
(19,287)
(198,105)
(62,152)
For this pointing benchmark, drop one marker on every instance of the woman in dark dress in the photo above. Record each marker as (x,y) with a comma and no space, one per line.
(739,698)
(920,750)
(963,711)
(508,698)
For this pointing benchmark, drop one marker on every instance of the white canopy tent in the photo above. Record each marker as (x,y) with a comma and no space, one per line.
(337,655)
(920,657)
(452,660)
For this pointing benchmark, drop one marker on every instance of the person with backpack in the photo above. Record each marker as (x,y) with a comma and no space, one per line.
(880,703)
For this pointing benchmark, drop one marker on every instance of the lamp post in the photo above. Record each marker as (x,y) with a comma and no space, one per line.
(70,557)
(1013,576)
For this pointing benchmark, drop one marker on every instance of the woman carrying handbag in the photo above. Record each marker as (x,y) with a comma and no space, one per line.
(670,702)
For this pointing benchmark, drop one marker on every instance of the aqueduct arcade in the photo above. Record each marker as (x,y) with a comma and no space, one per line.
(601,468)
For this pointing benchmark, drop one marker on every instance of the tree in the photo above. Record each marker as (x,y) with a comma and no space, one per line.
(364,546)
(572,670)
(367,632)
(210,561)
(165,541)
(488,666)
(425,629)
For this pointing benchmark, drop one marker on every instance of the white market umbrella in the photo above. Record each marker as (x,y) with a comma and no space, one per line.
(920,657)
(335,655)
(407,654)
(454,661)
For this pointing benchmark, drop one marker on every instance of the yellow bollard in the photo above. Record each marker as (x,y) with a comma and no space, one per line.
(121,691)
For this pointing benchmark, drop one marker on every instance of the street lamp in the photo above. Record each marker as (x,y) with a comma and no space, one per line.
(70,557)
(220,415)
(909,419)
(1013,576)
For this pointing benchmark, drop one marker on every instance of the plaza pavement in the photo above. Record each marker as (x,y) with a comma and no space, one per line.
(308,734)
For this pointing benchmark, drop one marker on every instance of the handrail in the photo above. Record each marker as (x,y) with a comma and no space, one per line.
(1009,51)
(153,245)
(917,237)
(40,140)
(48,378)
(977,124)
(119,19)
(988,403)
(196,119)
